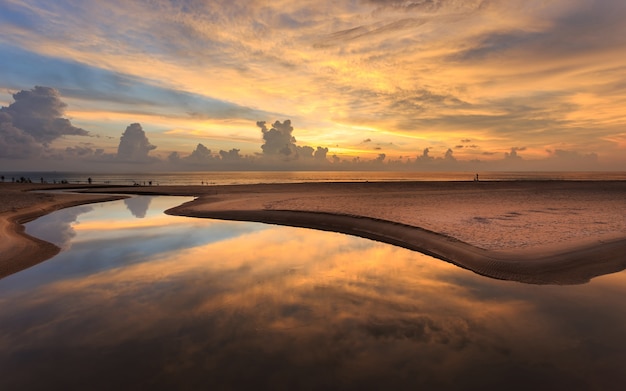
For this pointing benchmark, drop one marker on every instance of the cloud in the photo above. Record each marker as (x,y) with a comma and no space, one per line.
(200,155)
(573,155)
(432,68)
(16,144)
(305,152)
(134,145)
(320,153)
(425,157)
(278,141)
(561,159)
(32,122)
(427,5)
(39,112)
(231,155)
(203,157)
(84,151)
(513,154)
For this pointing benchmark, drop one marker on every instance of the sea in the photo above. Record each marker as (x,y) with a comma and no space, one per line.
(254,177)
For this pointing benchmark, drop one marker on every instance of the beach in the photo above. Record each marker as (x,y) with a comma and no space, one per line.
(541,232)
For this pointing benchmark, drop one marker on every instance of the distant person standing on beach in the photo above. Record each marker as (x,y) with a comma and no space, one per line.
(89,180)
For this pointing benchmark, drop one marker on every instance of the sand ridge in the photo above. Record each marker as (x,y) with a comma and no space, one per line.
(532,232)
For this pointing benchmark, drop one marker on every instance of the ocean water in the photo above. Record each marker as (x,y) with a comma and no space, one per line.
(141,300)
(251,177)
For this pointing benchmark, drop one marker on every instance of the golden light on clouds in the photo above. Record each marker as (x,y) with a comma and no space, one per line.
(420,74)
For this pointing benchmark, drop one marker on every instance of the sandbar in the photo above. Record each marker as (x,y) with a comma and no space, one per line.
(538,232)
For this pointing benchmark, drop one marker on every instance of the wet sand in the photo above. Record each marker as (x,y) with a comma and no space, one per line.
(540,232)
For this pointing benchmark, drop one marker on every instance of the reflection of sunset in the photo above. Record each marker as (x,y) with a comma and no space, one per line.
(116,224)
(225,299)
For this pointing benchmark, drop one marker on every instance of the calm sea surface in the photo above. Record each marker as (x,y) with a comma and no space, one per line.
(141,300)
(248,177)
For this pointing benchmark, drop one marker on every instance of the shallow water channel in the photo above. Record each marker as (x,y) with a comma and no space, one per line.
(141,300)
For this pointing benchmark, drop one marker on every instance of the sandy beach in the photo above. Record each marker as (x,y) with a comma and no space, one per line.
(541,232)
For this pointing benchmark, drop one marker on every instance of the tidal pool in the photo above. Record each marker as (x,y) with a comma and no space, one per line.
(141,300)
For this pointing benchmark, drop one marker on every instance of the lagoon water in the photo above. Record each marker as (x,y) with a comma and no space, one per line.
(141,300)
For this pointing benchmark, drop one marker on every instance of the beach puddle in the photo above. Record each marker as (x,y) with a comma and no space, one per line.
(141,300)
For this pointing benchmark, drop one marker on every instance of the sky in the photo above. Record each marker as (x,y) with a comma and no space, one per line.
(360,84)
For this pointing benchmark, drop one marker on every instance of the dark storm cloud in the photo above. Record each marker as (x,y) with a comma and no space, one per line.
(134,145)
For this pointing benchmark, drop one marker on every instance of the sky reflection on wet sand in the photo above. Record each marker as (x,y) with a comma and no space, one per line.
(190,303)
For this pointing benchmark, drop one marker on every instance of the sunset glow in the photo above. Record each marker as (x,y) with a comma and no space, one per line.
(479,84)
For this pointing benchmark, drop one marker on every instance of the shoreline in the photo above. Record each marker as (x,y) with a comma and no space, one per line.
(411,215)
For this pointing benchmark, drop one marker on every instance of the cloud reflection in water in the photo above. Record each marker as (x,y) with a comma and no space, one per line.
(223,304)
(57,228)
(138,206)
